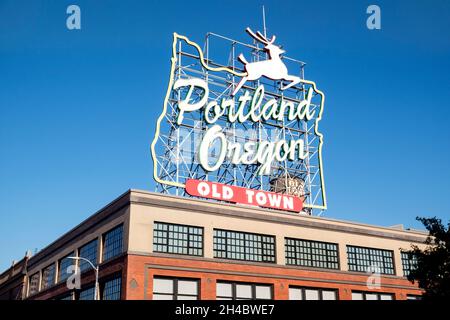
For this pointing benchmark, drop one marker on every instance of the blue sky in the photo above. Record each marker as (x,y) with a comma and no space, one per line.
(78,108)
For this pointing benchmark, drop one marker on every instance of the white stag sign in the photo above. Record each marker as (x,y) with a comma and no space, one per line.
(221,125)
(273,68)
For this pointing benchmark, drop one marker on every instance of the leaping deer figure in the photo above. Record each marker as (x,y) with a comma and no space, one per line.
(273,68)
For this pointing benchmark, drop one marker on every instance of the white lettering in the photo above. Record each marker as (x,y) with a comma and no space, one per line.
(211,135)
(215,193)
(288,202)
(250,194)
(261,198)
(274,199)
(184,104)
(272,109)
(203,188)
(261,152)
(227,193)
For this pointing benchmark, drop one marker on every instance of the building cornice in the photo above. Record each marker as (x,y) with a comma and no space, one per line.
(260,214)
(106,213)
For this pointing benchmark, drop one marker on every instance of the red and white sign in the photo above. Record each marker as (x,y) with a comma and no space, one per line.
(220,191)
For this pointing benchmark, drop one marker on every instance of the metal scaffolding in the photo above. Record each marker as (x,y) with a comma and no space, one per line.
(175,152)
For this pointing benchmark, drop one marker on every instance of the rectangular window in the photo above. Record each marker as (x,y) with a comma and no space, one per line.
(34,284)
(413,297)
(314,254)
(244,246)
(88,251)
(64,264)
(113,243)
(48,277)
(370,259)
(305,293)
(112,289)
(66,297)
(87,293)
(179,239)
(243,291)
(362,295)
(409,262)
(175,289)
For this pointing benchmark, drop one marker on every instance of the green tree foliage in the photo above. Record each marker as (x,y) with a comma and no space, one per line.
(432,271)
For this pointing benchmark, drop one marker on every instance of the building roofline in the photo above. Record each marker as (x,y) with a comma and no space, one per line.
(101,214)
(126,198)
(21,264)
(286,214)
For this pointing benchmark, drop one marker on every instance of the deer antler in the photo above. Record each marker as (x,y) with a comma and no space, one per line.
(263,37)
(258,36)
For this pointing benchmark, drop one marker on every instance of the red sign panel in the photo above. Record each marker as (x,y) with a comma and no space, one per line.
(220,191)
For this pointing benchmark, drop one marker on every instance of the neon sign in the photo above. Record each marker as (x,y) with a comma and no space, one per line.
(263,152)
(239,124)
(219,191)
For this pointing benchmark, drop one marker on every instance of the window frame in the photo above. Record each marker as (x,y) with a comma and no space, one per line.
(38,288)
(86,287)
(82,262)
(227,240)
(320,290)
(59,280)
(378,294)
(108,279)
(408,260)
(338,262)
(413,297)
(370,260)
(202,248)
(66,295)
(51,265)
(105,259)
(253,285)
(175,281)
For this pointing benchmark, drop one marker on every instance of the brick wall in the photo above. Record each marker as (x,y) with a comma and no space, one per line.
(141,269)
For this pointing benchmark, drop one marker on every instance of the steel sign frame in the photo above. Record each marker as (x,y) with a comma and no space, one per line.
(173,182)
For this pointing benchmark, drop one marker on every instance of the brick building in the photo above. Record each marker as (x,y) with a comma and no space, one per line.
(13,280)
(154,246)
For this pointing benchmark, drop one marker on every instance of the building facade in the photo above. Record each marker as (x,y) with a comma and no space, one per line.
(155,246)
(13,280)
